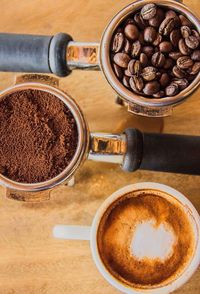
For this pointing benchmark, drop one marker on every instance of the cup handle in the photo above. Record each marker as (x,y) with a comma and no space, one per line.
(72,232)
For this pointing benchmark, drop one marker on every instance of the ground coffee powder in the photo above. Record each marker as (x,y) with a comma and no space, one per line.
(38,136)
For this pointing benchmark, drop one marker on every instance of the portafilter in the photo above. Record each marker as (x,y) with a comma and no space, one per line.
(132,149)
(60,55)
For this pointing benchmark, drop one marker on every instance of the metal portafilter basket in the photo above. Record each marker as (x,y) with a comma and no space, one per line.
(131,149)
(60,55)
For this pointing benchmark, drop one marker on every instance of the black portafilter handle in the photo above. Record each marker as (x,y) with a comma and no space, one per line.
(162,152)
(35,54)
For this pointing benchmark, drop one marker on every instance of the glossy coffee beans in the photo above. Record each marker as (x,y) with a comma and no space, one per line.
(155,52)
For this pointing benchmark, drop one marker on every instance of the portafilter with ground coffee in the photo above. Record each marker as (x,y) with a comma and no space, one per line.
(44,138)
(149,54)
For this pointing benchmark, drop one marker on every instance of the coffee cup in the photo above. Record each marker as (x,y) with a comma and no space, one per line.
(60,55)
(135,247)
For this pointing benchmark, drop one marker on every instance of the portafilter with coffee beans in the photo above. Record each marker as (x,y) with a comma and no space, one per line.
(149,54)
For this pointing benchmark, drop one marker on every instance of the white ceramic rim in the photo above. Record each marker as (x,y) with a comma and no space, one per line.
(190,209)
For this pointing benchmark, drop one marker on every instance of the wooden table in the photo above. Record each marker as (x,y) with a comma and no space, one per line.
(31,261)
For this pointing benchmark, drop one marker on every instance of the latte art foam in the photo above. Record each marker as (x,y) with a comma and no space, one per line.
(150,241)
(145,239)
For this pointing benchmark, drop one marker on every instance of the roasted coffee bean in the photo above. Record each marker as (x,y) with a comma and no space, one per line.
(118,42)
(175,36)
(131,32)
(136,83)
(150,34)
(158,59)
(195,68)
(185,21)
(128,21)
(184,62)
(192,42)
(143,59)
(127,46)
(157,19)
(165,47)
(141,38)
(155,22)
(169,63)
(172,90)
(158,75)
(183,47)
(177,72)
(141,23)
(126,81)
(148,50)
(156,49)
(162,70)
(137,68)
(170,14)
(164,80)
(136,49)
(196,34)
(118,71)
(167,25)
(196,55)
(134,67)
(188,70)
(148,11)
(182,83)
(127,73)
(177,23)
(157,40)
(175,55)
(185,31)
(130,68)
(159,94)
(151,88)
(149,73)
(122,59)
(119,30)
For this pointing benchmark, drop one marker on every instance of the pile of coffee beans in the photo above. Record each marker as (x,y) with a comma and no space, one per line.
(156,52)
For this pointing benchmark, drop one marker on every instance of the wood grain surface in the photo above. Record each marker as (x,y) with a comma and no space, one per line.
(31,261)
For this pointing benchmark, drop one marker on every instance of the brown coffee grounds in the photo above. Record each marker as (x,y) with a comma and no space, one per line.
(38,136)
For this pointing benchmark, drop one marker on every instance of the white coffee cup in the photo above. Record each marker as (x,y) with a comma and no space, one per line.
(90,233)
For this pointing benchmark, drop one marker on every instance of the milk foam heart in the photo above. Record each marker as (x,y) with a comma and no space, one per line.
(150,241)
